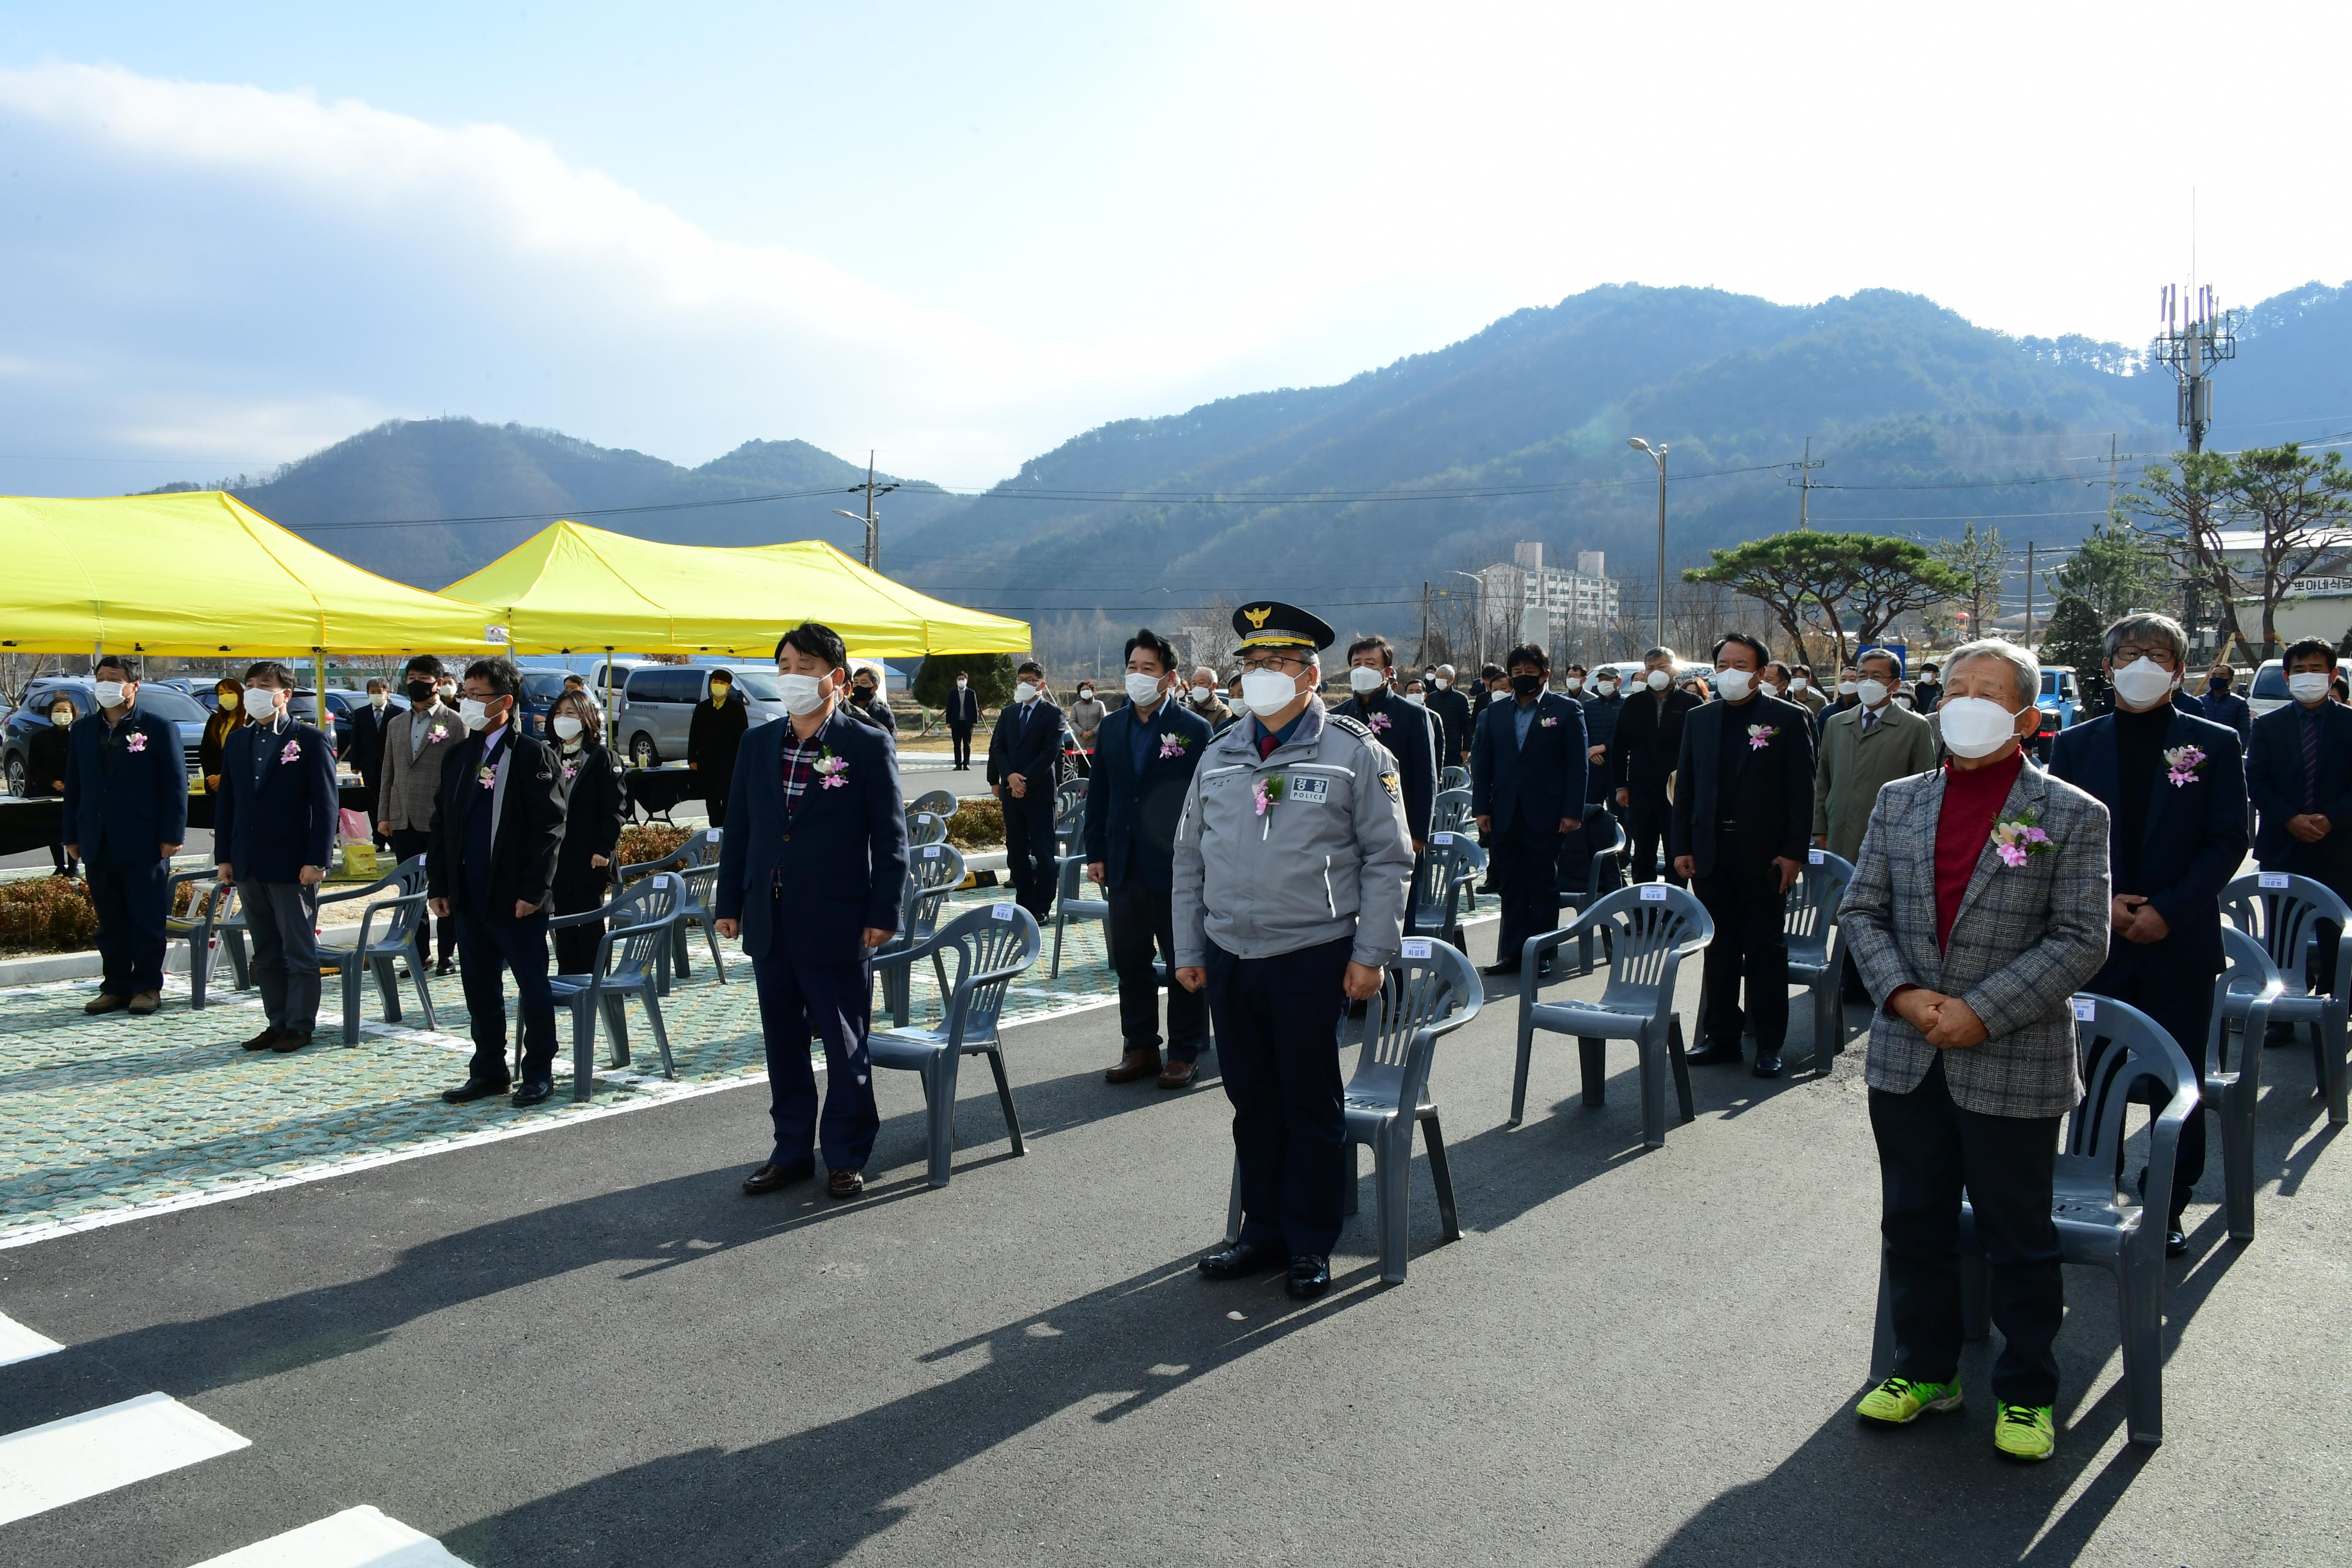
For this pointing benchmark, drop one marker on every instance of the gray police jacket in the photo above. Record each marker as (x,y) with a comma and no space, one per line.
(1304,848)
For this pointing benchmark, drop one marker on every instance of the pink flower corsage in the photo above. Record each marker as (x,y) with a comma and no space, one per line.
(486,776)
(1172,744)
(1267,790)
(2018,840)
(1549,720)
(1378,722)
(1760,735)
(438,732)
(831,772)
(2182,762)
(292,753)
(135,742)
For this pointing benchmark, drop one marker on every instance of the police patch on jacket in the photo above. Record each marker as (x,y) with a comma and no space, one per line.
(1388,783)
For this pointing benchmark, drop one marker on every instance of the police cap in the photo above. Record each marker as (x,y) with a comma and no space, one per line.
(1269,623)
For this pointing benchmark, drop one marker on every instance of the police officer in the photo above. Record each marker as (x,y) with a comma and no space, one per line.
(1291,868)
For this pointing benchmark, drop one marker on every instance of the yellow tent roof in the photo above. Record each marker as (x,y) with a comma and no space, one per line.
(195,574)
(570,589)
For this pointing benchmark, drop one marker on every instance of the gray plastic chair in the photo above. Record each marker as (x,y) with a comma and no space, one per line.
(1072,902)
(382,954)
(1450,866)
(1594,877)
(933,871)
(2282,911)
(214,922)
(1450,812)
(2099,1225)
(1816,958)
(1650,928)
(1069,813)
(2242,997)
(991,946)
(925,827)
(938,800)
(1454,777)
(638,929)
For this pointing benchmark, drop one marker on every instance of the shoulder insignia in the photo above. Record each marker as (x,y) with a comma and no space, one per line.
(1388,783)
(1355,727)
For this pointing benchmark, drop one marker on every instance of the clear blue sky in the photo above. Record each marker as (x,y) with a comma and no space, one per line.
(961,234)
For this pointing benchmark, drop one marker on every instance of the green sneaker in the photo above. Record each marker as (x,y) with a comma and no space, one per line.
(2024,1432)
(1899,1401)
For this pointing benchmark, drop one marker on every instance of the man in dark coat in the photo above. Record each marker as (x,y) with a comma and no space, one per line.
(1145,753)
(962,717)
(711,738)
(498,831)
(1409,732)
(1024,759)
(1447,700)
(365,753)
(2175,790)
(811,877)
(1642,752)
(126,815)
(2225,705)
(1743,817)
(274,820)
(2299,772)
(1527,770)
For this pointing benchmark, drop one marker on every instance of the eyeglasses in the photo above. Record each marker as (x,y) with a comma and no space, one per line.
(2131,652)
(1278,663)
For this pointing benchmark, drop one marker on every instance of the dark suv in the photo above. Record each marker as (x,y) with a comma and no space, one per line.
(32,715)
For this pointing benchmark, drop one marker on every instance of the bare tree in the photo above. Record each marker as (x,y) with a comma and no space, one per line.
(2249,527)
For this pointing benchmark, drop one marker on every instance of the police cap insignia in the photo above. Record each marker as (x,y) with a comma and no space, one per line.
(1256,617)
(1270,623)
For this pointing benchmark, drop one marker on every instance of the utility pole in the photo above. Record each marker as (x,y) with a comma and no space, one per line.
(1424,622)
(871,519)
(1804,483)
(2029,592)
(1658,453)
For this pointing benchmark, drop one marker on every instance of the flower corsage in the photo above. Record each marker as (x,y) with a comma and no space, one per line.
(831,772)
(1172,744)
(1760,735)
(2181,763)
(2019,839)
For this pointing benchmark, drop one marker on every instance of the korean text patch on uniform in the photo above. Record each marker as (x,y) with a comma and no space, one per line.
(1309,791)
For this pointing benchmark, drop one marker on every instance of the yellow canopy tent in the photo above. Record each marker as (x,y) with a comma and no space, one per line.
(570,589)
(196,573)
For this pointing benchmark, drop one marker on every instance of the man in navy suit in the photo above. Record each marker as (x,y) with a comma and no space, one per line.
(125,815)
(963,716)
(2224,705)
(1409,732)
(1144,757)
(811,872)
(1527,761)
(1024,759)
(273,835)
(2299,771)
(1742,821)
(2174,788)
(498,831)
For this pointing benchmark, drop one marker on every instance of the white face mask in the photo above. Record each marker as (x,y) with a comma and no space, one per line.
(1798,683)
(444,691)
(1571,683)
(1848,688)
(1606,687)
(1268,690)
(473,714)
(1363,681)
(1442,684)
(1871,692)
(1143,690)
(2311,686)
(567,728)
(1024,692)
(962,683)
(1085,694)
(61,716)
(1975,726)
(1416,699)
(377,700)
(110,694)
(1658,680)
(1735,684)
(1204,695)
(261,704)
(2144,682)
(803,694)
(1769,689)
(1901,701)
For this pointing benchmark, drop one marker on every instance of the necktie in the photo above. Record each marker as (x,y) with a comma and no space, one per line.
(2310,759)
(1869,717)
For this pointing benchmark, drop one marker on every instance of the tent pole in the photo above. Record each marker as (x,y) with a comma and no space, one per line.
(319,684)
(610,740)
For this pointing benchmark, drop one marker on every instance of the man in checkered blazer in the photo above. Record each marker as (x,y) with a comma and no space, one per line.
(1977,908)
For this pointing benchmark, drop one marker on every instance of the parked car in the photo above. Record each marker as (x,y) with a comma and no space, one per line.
(345,705)
(657,707)
(2061,703)
(2269,691)
(33,714)
(541,688)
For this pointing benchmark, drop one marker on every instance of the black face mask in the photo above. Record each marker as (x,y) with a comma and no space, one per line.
(2218,683)
(864,694)
(1527,685)
(420,692)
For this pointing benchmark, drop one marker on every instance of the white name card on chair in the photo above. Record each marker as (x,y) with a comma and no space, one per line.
(1653,892)
(1817,856)
(1000,911)
(2087,1010)
(2275,878)
(931,852)
(1441,839)
(1416,947)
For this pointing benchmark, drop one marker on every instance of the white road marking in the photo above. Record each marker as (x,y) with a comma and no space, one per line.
(18,1342)
(355,1538)
(48,1467)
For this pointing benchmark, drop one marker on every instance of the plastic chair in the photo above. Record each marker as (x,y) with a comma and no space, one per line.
(1069,813)
(1450,866)
(2282,913)
(2244,995)
(1453,777)
(695,865)
(382,954)
(1583,879)
(937,800)
(1450,812)
(1429,991)
(2097,1226)
(638,929)
(1816,959)
(1071,902)
(991,946)
(1650,928)
(215,921)
(933,871)
(925,827)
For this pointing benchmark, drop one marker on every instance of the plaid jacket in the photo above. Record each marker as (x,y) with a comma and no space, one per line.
(2027,937)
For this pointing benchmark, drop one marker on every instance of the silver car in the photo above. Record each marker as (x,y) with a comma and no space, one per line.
(656,708)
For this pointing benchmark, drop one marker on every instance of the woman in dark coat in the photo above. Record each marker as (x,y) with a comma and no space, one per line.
(591,825)
(229,695)
(711,739)
(45,765)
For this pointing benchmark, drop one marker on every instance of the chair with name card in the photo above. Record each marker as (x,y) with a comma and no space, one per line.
(2284,912)
(990,946)
(933,871)
(1816,958)
(1450,867)
(1450,812)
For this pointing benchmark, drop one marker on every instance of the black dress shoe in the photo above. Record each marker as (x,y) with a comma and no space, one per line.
(772,1178)
(2175,1243)
(1310,1276)
(1501,967)
(474,1088)
(533,1092)
(843,1185)
(1713,1053)
(446,966)
(289,1041)
(1767,1064)
(1242,1259)
(264,1040)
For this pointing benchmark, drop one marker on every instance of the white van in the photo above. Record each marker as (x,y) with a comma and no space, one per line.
(2269,689)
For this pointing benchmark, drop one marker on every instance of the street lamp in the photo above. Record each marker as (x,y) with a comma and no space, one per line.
(1480,610)
(1658,453)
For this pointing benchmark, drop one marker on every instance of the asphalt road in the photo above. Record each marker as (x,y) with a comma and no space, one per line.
(587,1347)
